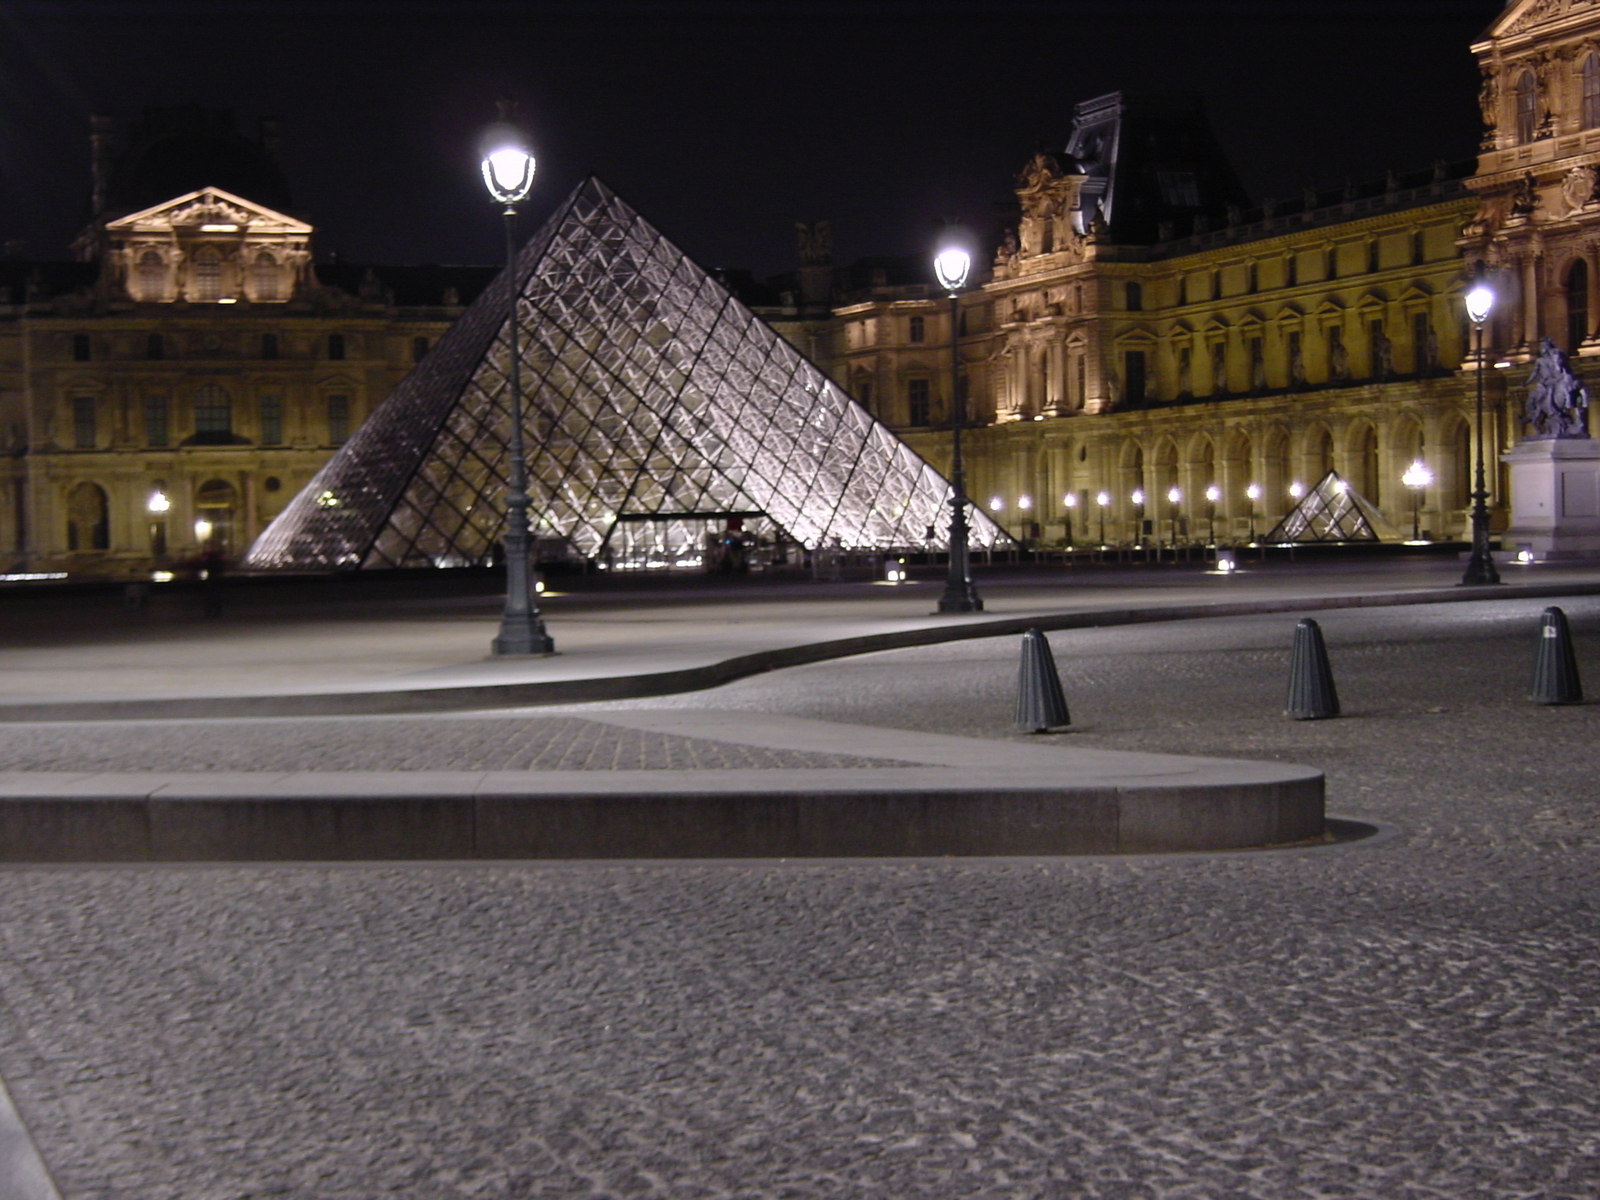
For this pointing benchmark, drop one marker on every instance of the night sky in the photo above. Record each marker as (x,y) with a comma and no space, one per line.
(724,123)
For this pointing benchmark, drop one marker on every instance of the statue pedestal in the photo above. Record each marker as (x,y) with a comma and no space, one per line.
(1555,498)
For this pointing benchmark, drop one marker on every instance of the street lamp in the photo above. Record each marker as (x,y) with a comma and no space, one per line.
(508,174)
(1071,501)
(1254,493)
(951,262)
(1138,516)
(1480,567)
(1173,496)
(1102,499)
(1212,496)
(1416,478)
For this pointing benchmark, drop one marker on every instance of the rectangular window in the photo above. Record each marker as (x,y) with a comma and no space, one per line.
(269,346)
(83,422)
(1133,376)
(155,421)
(154,348)
(213,416)
(1377,350)
(1426,353)
(271,420)
(338,420)
(918,329)
(917,402)
(1135,297)
(336,347)
(1291,270)
(80,347)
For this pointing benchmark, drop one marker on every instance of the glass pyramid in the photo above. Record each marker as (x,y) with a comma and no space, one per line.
(1333,511)
(653,402)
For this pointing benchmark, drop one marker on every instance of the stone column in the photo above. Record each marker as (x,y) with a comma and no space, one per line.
(1531,300)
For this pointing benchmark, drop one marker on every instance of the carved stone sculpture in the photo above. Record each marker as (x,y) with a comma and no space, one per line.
(1558,402)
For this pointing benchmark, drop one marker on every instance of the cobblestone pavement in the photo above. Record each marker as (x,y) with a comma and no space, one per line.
(451,743)
(1413,1017)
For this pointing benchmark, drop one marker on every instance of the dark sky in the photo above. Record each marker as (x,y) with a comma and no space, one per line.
(723,122)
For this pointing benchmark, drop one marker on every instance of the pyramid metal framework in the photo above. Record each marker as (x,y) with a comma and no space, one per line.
(1332,511)
(652,399)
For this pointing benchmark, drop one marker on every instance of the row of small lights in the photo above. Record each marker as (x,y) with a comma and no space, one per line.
(1417,476)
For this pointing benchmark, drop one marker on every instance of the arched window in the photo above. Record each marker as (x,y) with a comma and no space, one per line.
(213,416)
(264,277)
(1577,304)
(1319,455)
(206,279)
(88,525)
(1364,461)
(150,282)
(1591,92)
(215,505)
(1527,106)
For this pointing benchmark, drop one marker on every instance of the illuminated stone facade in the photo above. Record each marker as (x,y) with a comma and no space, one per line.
(1143,329)
(186,378)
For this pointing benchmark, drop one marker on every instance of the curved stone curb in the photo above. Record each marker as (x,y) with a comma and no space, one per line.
(954,796)
(23,1175)
(663,683)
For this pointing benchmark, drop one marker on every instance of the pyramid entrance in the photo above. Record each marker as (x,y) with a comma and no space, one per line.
(1332,511)
(655,407)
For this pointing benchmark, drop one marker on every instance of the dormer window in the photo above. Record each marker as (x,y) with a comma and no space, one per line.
(206,279)
(1527,106)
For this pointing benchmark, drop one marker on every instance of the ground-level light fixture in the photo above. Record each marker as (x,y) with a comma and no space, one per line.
(1417,478)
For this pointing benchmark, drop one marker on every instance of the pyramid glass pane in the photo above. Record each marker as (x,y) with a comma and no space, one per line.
(655,405)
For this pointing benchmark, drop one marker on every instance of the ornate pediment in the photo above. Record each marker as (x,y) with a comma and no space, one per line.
(210,210)
(1524,16)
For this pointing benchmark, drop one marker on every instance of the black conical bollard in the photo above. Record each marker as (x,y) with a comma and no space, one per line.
(1311,692)
(1555,665)
(1040,703)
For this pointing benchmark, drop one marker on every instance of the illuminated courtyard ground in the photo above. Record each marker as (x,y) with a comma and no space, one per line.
(1414,1015)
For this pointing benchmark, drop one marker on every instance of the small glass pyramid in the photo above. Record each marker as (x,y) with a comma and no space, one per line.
(1332,512)
(653,403)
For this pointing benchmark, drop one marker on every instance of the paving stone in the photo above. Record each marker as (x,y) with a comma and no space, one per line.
(1415,1017)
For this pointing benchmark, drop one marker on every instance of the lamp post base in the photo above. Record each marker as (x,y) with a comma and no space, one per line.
(960,598)
(523,635)
(1480,567)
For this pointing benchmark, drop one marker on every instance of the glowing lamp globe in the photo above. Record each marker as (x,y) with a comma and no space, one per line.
(950,267)
(1479,301)
(507,165)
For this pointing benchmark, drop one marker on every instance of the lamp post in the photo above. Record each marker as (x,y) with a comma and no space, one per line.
(1138,516)
(508,174)
(1480,567)
(1071,501)
(1417,477)
(1102,499)
(1173,497)
(950,265)
(1254,494)
(1212,496)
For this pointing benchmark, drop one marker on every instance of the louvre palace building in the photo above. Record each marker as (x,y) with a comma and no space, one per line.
(182,380)
(1144,326)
